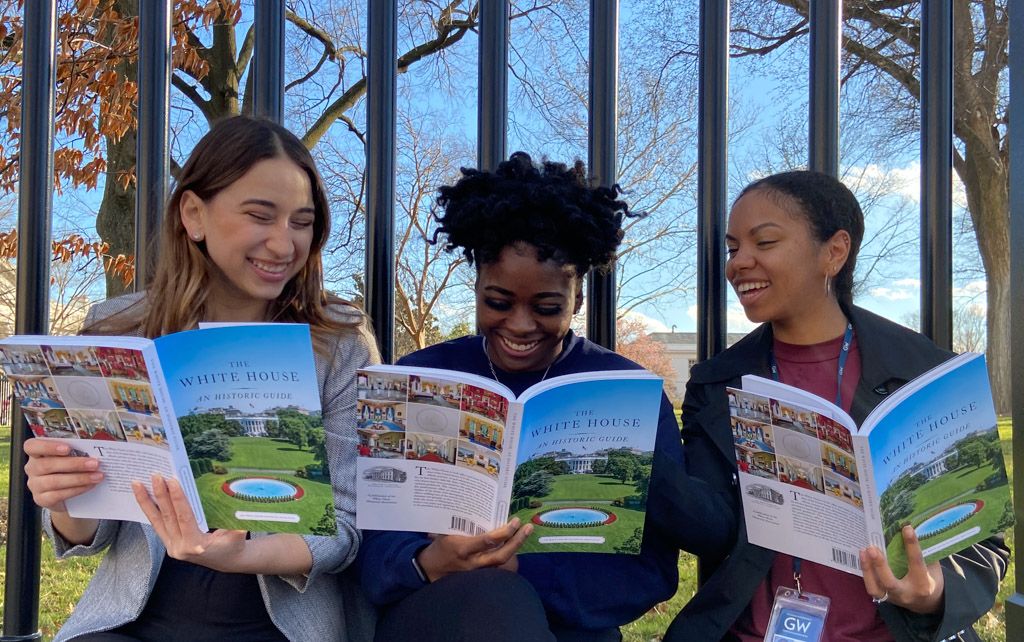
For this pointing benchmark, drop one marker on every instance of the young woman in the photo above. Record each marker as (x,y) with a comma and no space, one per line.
(241,241)
(793,240)
(532,233)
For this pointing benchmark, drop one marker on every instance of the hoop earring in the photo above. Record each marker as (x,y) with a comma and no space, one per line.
(828,285)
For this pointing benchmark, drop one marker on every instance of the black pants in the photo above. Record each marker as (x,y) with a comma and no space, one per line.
(485,604)
(191,602)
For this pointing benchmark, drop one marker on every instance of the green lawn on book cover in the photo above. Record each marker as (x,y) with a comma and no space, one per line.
(276,458)
(600,491)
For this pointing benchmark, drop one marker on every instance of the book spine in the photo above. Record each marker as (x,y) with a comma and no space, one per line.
(508,462)
(872,516)
(182,468)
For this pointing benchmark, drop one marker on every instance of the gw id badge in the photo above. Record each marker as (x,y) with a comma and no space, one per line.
(797,617)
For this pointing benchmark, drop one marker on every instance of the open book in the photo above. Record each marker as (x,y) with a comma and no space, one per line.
(815,487)
(232,413)
(451,452)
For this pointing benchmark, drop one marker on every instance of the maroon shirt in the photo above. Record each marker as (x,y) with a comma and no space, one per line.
(852,615)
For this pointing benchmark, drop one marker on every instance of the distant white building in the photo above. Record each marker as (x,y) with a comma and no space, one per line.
(579,464)
(681,349)
(254,426)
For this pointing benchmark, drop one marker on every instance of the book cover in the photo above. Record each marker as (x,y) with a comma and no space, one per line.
(249,419)
(451,452)
(814,486)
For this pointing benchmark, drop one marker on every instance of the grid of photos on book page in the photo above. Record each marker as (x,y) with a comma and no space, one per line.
(429,419)
(83,392)
(775,440)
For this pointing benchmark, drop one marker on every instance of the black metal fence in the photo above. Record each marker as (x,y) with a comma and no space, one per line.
(21,599)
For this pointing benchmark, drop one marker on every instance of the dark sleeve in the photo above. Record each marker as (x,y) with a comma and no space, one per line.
(971,580)
(385,564)
(695,493)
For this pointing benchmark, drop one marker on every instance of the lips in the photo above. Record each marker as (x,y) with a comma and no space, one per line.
(269,269)
(517,347)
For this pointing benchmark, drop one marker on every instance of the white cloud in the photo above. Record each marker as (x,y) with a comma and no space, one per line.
(650,323)
(890,294)
(735,317)
(908,283)
(899,181)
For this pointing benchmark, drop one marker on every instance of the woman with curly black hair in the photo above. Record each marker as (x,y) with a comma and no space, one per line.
(532,233)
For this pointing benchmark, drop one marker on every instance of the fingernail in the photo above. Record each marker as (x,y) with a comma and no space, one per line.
(515,522)
(92,464)
(96,476)
(63,449)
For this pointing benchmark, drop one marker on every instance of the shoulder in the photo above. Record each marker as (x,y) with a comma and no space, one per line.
(893,348)
(583,355)
(446,354)
(355,338)
(345,312)
(103,310)
(746,356)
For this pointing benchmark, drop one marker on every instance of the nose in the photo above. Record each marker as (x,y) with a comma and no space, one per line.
(520,320)
(740,260)
(279,240)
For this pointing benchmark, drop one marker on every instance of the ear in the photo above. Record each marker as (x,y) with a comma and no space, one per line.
(191,209)
(835,252)
(579,298)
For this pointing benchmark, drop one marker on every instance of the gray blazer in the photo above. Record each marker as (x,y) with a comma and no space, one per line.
(325,603)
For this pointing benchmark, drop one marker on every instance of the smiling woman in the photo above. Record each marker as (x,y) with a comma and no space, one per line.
(240,241)
(532,233)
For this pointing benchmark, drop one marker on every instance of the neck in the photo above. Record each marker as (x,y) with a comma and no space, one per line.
(226,312)
(824,323)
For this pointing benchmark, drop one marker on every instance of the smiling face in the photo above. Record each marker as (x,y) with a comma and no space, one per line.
(257,233)
(776,265)
(524,308)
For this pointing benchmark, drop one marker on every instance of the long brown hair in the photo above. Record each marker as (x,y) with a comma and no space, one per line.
(177,298)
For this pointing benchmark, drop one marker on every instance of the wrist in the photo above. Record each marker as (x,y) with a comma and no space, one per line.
(420,571)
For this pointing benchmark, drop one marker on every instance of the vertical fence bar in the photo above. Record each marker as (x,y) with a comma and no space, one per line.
(602,152)
(1015,602)
(492,97)
(712,119)
(268,60)
(826,17)
(152,152)
(380,171)
(937,171)
(35,206)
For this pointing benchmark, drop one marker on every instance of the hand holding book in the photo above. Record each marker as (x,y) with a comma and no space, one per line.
(497,548)
(920,590)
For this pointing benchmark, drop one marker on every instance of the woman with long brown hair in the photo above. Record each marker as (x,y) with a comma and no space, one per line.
(241,242)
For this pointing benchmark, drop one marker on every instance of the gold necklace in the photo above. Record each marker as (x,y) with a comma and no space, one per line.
(494,373)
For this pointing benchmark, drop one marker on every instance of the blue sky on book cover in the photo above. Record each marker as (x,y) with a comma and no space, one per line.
(921,428)
(251,368)
(589,416)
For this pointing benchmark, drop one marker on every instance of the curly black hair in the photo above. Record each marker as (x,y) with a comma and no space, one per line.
(551,207)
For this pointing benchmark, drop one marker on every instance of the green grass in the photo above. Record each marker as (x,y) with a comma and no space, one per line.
(63,582)
(585,490)
(935,495)
(263,452)
(220,508)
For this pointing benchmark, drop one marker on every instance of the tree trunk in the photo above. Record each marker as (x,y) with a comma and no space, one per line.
(115,220)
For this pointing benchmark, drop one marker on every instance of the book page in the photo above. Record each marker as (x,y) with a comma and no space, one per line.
(938,464)
(248,406)
(799,481)
(101,400)
(584,461)
(432,447)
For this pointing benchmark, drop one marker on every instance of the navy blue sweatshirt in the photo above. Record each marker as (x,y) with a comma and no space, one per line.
(579,590)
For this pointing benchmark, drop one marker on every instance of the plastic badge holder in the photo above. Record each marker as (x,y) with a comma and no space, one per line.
(797,617)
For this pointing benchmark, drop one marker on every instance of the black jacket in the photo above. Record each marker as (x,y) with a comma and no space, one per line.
(890,355)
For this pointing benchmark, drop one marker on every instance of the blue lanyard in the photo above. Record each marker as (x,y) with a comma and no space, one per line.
(844,352)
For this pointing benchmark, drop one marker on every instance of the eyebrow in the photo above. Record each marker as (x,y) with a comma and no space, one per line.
(754,230)
(273,205)
(539,295)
